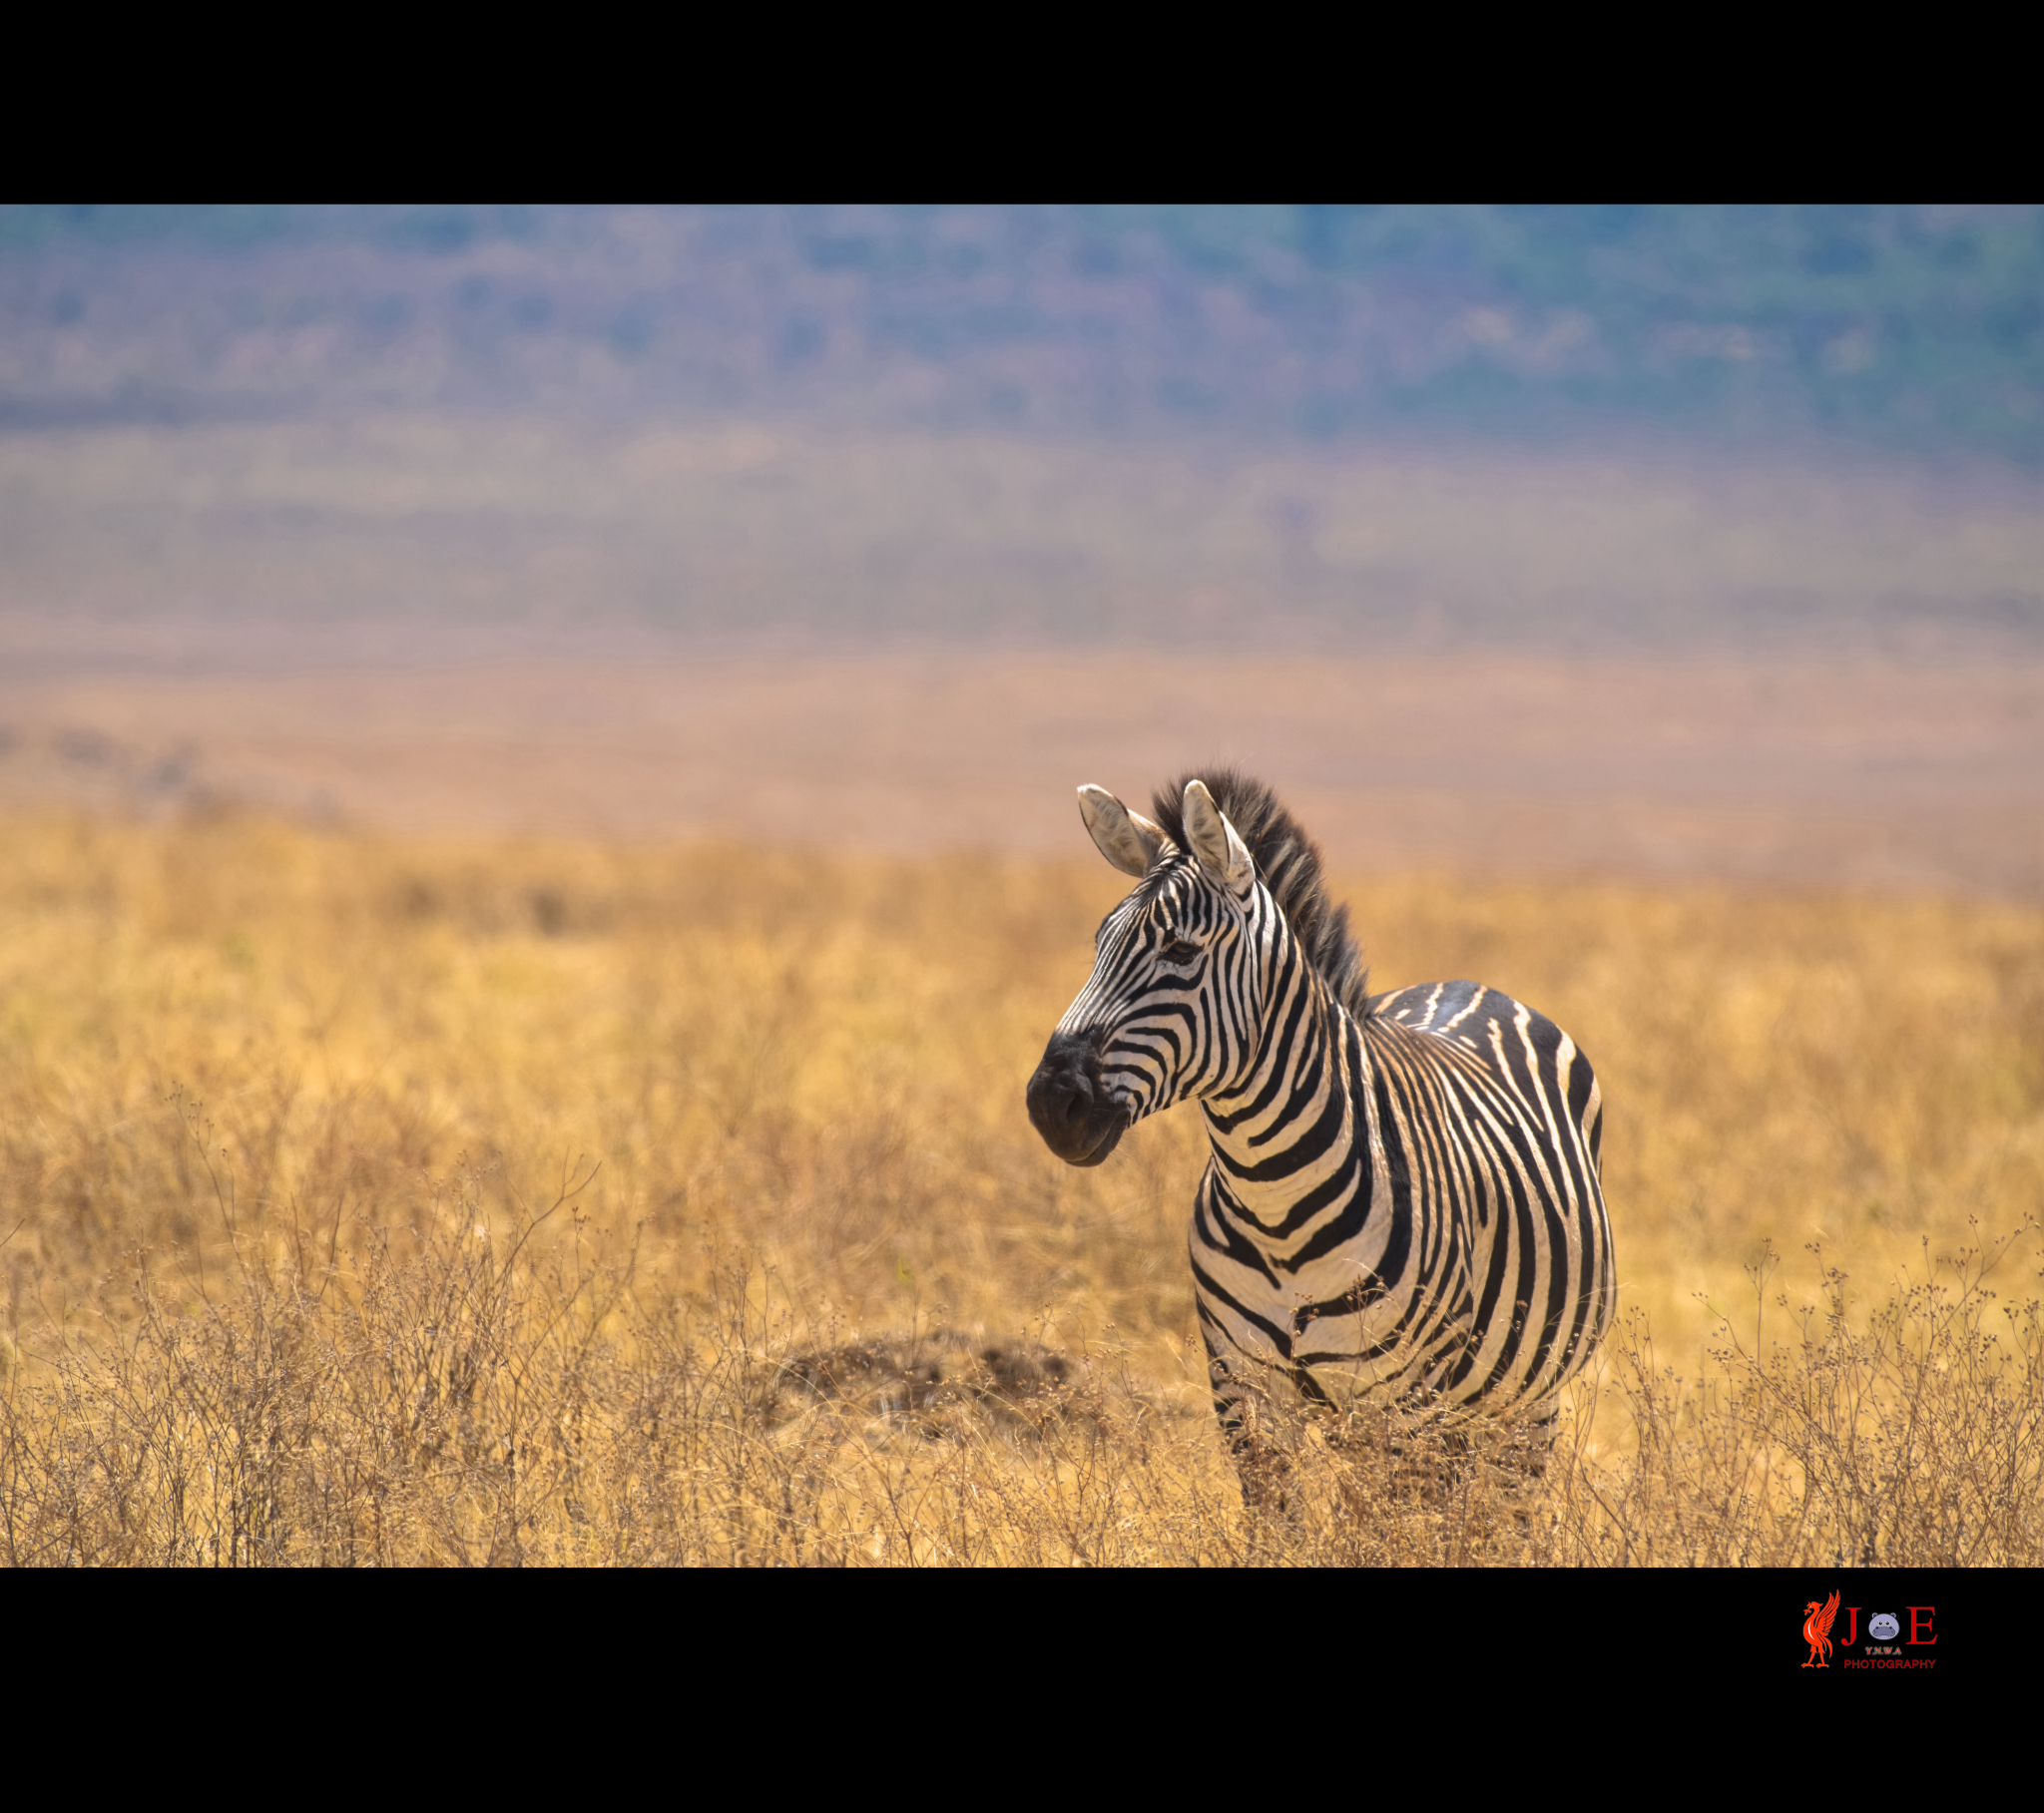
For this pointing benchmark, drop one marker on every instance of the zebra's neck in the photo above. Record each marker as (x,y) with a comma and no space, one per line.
(1286,1142)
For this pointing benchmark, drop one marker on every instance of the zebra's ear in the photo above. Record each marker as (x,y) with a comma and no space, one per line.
(1220,848)
(1127,839)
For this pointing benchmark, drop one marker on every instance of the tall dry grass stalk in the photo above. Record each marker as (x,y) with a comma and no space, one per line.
(377,1201)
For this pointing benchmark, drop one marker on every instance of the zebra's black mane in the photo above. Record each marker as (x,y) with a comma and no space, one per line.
(1289,863)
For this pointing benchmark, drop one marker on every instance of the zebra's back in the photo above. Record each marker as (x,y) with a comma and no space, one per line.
(1492,1122)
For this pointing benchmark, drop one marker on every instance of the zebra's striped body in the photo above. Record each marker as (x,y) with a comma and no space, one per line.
(1402,1200)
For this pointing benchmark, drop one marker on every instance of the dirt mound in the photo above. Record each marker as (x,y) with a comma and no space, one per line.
(937,1383)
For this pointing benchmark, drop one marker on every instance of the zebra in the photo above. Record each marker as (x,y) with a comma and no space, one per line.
(1403,1206)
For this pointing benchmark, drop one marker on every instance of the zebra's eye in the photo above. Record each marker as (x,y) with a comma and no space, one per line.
(1179,950)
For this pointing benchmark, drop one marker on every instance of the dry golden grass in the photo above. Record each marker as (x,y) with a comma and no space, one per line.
(367,1200)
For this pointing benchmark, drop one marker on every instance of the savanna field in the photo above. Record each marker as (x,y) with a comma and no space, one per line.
(369,1200)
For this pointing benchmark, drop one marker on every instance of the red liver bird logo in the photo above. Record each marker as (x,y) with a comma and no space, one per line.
(1816,1630)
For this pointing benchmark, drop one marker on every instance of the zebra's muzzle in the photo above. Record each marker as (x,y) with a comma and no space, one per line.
(1068,1106)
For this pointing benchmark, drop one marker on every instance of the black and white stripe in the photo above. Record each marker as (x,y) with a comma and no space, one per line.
(1402,1200)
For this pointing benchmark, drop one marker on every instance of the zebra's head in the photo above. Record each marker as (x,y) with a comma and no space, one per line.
(1173,1005)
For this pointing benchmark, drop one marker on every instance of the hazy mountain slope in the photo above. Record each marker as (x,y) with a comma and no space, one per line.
(1908,328)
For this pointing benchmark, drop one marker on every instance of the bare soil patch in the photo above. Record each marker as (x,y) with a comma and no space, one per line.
(1882,774)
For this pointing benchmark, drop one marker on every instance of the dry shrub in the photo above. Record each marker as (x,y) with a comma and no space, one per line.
(457,1404)
(301,1265)
(1912,1436)
(461,1403)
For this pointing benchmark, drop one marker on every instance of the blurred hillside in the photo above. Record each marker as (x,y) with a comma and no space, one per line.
(1664,542)
(279,533)
(1908,329)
